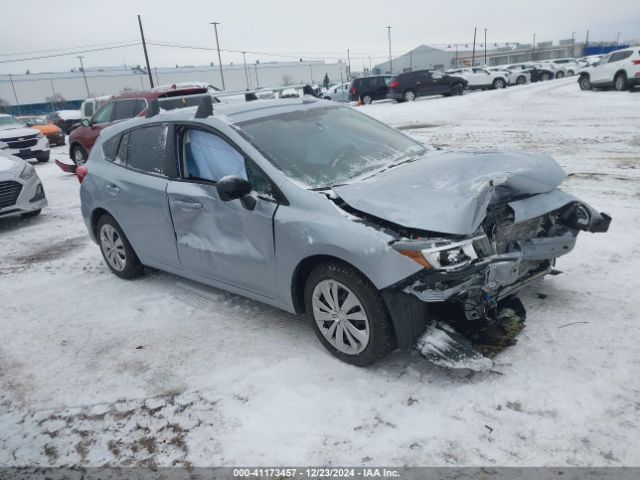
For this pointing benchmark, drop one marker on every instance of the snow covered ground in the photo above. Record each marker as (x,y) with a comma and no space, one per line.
(160,371)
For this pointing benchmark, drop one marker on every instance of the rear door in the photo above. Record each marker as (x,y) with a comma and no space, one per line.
(136,191)
(222,241)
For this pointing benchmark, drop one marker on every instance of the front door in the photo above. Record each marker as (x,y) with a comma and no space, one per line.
(439,84)
(222,241)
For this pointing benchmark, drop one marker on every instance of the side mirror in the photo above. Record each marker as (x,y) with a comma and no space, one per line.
(85,122)
(233,187)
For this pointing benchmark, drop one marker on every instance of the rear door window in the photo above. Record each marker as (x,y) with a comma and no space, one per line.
(104,114)
(123,110)
(146,150)
(618,56)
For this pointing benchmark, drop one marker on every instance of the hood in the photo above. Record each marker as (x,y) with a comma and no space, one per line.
(10,163)
(47,129)
(449,192)
(12,132)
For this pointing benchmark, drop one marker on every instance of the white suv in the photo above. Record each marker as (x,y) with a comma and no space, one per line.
(22,141)
(619,69)
(481,78)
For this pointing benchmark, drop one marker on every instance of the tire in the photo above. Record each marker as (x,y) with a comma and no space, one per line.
(544,76)
(409,95)
(498,83)
(367,99)
(368,314)
(34,213)
(620,83)
(327,98)
(44,157)
(116,249)
(78,155)
(560,75)
(571,73)
(585,82)
(457,89)
(521,80)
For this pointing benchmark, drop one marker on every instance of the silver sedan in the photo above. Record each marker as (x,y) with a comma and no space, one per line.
(21,190)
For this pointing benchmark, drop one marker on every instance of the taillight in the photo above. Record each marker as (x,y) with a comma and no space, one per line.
(81,172)
(354,90)
(635,62)
(395,84)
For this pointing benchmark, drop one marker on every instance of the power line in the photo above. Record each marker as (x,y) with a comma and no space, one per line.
(33,52)
(74,53)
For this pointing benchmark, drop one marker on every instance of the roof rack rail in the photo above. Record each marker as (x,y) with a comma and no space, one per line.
(205,107)
(153,109)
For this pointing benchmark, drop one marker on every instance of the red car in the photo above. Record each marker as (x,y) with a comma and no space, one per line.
(125,106)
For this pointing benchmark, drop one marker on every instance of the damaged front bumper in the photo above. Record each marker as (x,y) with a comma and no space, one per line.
(515,246)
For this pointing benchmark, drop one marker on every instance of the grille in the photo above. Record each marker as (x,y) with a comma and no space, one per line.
(25,141)
(9,192)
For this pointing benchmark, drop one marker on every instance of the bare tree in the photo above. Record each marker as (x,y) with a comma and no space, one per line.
(57,101)
(3,104)
(287,80)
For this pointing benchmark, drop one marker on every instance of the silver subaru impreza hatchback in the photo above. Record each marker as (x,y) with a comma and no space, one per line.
(316,208)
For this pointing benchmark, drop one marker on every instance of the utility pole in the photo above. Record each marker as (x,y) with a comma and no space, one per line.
(390,60)
(215,27)
(473,54)
(246,73)
(411,60)
(573,44)
(84,75)
(456,55)
(533,47)
(156,72)
(586,42)
(146,55)
(256,69)
(369,64)
(54,99)
(485,47)
(348,64)
(14,93)
(618,39)
(311,71)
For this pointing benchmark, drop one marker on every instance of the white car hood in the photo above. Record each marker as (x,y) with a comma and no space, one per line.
(12,132)
(10,163)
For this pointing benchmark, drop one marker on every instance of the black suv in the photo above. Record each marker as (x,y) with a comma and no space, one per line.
(368,89)
(408,86)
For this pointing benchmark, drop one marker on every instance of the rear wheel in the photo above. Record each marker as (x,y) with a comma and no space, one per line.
(521,80)
(44,157)
(409,96)
(367,99)
(560,75)
(499,83)
(545,76)
(457,89)
(620,82)
(571,73)
(116,249)
(348,314)
(78,155)
(584,82)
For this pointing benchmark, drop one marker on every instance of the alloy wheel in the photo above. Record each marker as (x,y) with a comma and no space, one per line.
(113,247)
(340,317)
(409,96)
(78,156)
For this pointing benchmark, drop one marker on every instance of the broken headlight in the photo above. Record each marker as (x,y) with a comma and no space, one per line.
(439,254)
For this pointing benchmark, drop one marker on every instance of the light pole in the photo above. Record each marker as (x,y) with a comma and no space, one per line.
(256,69)
(84,75)
(390,60)
(246,73)
(54,100)
(348,63)
(473,54)
(13,87)
(618,39)
(573,44)
(485,47)
(215,27)
(533,46)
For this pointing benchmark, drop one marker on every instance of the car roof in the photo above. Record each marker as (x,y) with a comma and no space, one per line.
(160,93)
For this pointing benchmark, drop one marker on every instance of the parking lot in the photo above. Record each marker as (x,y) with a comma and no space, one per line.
(161,371)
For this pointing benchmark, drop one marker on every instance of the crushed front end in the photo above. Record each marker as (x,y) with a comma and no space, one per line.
(469,284)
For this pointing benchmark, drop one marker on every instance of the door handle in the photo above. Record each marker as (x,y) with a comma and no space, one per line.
(418,83)
(188,205)
(113,190)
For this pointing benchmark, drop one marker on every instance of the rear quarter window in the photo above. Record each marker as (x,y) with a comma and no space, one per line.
(146,150)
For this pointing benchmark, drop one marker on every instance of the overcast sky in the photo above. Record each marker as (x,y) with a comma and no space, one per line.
(289,28)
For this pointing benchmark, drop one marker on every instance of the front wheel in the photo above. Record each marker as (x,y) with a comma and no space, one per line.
(585,83)
(498,83)
(560,75)
(521,80)
(44,157)
(116,249)
(457,89)
(348,315)
(620,82)
(545,76)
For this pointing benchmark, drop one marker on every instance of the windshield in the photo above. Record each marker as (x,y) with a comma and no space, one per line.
(326,146)
(10,122)
(34,120)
